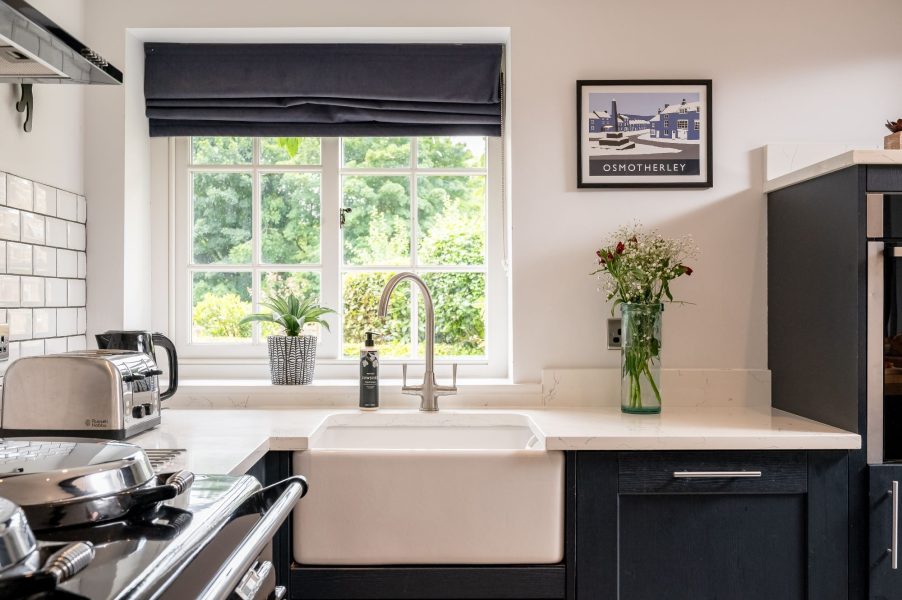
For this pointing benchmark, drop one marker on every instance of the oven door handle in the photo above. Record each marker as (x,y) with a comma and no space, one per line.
(233,570)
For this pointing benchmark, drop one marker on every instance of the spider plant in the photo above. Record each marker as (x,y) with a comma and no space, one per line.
(291,313)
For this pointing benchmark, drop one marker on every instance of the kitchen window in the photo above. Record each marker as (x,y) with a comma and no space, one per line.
(335,218)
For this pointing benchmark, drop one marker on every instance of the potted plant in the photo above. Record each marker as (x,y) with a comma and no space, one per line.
(636,268)
(292,356)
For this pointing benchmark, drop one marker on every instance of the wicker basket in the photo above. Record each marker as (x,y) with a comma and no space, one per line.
(291,359)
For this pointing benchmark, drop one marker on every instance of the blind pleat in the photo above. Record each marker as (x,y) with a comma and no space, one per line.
(323,89)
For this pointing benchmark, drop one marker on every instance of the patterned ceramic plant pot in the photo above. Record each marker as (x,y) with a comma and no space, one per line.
(291,359)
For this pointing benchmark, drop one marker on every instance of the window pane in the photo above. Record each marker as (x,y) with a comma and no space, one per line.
(377,230)
(290,151)
(376,152)
(360,305)
(222,150)
(290,217)
(221,300)
(222,218)
(459,300)
(303,284)
(451,220)
(451,152)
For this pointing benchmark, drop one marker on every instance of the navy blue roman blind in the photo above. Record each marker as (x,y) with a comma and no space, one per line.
(323,89)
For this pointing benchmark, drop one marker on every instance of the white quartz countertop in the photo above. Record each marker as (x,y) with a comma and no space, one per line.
(231,441)
(834,163)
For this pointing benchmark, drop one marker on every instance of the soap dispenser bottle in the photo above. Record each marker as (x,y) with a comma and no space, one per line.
(369,374)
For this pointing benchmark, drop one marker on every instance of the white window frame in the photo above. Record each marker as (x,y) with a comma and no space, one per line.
(683,124)
(697,126)
(249,359)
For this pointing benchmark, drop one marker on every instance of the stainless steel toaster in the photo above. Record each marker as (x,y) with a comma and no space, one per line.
(109,394)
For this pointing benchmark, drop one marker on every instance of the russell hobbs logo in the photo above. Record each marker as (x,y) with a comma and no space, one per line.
(96,422)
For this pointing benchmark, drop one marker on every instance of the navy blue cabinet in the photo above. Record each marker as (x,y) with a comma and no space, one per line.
(731,525)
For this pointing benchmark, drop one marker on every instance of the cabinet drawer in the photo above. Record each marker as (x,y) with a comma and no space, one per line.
(713,472)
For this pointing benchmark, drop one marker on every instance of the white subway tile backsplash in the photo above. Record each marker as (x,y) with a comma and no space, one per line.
(32,291)
(44,199)
(32,348)
(19,193)
(43,266)
(44,322)
(77,292)
(57,234)
(44,261)
(32,228)
(9,224)
(19,324)
(55,346)
(57,291)
(9,291)
(77,342)
(66,205)
(18,258)
(66,263)
(66,321)
(76,236)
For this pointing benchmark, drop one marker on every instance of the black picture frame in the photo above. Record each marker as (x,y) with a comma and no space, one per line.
(685,158)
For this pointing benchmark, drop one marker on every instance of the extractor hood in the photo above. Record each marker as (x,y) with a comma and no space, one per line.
(34,49)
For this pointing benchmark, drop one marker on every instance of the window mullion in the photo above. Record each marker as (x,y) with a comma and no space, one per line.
(414,262)
(330,249)
(256,236)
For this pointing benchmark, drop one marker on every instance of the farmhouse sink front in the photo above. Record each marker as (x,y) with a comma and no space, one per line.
(429,488)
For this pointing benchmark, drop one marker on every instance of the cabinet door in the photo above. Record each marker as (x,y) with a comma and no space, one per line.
(884,560)
(727,546)
(728,525)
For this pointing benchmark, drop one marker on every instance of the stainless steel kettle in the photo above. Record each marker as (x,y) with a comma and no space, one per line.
(146,342)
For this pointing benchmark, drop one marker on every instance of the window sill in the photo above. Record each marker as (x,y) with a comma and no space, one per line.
(260,393)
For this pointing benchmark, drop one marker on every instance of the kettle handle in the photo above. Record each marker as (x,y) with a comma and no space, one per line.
(161,340)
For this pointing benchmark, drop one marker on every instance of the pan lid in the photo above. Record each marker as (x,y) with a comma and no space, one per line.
(57,470)
(17,541)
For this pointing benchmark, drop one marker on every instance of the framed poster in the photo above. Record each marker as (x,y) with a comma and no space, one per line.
(644,134)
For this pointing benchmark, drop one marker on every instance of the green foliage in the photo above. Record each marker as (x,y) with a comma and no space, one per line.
(222,150)
(222,217)
(219,316)
(361,301)
(290,216)
(376,153)
(291,313)
(290,151)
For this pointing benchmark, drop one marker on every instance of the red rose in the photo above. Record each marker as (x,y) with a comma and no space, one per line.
(620,247)
(610,256)
(687,270)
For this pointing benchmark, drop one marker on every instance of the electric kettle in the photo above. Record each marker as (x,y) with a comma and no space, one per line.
(146,342)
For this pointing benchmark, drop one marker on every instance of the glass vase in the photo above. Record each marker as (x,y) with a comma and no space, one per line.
(640,358)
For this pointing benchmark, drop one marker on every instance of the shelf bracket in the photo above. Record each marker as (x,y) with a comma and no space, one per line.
(26,105)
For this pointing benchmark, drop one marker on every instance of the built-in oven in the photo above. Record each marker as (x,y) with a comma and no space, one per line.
(884,391)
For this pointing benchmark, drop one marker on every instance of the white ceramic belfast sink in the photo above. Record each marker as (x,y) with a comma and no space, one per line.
(429,488)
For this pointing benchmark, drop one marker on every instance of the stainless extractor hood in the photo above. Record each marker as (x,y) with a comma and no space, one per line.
(34,49)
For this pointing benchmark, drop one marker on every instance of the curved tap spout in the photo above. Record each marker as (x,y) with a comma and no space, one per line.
(427,301)
(429,391)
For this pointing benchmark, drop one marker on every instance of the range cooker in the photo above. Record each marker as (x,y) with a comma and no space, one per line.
(93,519)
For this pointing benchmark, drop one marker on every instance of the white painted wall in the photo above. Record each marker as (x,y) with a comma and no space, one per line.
(815,71)
(53,152)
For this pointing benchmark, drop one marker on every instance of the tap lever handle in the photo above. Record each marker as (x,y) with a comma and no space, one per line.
(454,375)
(404,374)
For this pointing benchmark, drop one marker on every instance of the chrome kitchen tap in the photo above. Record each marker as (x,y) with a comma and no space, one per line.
(428,391)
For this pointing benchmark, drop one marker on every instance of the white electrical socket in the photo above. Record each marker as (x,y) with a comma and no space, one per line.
(4,341)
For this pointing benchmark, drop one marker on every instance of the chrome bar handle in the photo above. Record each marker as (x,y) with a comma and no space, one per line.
(894,542)
(715,474)
(404,375)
